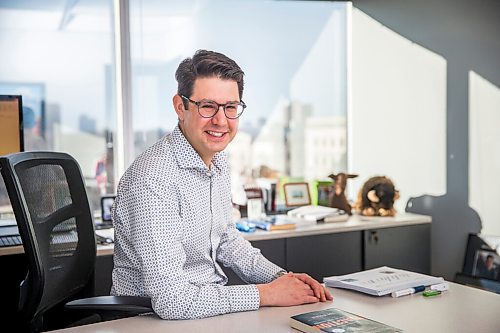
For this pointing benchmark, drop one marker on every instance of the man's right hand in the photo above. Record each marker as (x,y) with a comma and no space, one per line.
(286,290)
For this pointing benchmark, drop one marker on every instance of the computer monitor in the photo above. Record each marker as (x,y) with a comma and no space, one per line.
(11,140)
(11,124)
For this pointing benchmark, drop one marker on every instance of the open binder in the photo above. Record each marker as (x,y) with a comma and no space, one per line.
(381,281)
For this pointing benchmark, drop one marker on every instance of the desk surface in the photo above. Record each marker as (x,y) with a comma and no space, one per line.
(354,223)
(461,309)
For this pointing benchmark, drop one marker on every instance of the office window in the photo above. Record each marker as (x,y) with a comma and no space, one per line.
(59,56)
(294,56)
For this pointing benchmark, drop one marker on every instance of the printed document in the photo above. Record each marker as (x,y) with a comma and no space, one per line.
(381,281)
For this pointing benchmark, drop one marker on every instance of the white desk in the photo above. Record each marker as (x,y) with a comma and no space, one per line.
(354,223)
(339,248)
(461,309)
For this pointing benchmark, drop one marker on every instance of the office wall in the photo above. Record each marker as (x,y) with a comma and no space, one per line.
(397,130)
(466,35)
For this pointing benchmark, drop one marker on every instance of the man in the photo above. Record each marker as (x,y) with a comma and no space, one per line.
(487,268)
(172,214)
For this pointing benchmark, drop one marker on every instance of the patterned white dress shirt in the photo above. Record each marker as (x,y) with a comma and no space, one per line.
(172,220)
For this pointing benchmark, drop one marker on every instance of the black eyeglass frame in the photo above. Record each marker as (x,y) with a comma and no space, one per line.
(241,103)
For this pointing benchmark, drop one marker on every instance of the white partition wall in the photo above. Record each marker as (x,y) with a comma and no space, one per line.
(484,151)
(397,122)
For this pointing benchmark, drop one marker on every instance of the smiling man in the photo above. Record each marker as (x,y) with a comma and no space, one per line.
(172,213)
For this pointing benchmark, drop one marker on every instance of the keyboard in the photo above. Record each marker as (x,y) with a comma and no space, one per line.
(10,241)
(9,234)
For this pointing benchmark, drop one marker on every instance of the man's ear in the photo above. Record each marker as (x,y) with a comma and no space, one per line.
(178,106)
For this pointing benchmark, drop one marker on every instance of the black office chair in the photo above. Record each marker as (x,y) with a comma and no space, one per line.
(48,196)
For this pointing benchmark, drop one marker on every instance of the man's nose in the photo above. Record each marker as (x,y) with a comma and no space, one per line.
(219,117)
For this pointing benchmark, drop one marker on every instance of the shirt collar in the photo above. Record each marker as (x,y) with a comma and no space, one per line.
(187,157)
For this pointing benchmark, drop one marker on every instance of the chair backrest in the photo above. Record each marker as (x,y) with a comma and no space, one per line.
(48,196)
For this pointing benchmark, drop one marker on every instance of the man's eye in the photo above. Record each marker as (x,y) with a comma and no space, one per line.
(231,107)
(207,106)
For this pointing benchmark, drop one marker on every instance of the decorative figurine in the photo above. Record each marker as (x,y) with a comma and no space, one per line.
(336,198)
(377,197)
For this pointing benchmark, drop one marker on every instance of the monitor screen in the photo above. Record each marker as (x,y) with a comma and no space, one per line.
(11,141)
(11,124)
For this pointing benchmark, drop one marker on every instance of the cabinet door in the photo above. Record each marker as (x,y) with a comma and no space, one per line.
(273,250)
(399,247)
(325,255)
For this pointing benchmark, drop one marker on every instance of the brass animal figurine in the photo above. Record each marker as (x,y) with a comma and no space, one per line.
(377,197)
(336,198)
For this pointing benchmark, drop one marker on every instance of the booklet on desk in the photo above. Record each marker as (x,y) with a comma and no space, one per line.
(319,213)
(273,223)
(381,281)
(336,320)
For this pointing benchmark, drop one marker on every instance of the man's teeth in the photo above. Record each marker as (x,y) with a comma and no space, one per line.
(215,133)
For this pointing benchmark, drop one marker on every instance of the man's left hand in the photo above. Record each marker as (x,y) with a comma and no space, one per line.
(320,291)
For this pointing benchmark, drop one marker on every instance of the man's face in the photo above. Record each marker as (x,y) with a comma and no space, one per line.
(489,262)
(208,135)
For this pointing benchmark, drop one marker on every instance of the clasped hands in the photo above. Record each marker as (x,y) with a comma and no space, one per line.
(293,289)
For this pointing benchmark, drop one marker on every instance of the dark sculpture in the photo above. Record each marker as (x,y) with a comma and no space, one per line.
(377,197)
(336,198)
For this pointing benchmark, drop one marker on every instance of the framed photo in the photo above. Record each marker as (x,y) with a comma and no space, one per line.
(297,194)
(486,264)
(321,192)
(106,204)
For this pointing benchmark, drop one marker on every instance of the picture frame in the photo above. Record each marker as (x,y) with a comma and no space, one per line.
(486,264)
(320,192)
(297,194)
(107,202)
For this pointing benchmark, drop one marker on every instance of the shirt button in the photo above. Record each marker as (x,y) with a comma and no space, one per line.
(209,173)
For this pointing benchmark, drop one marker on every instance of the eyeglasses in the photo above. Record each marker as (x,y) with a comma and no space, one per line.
(208,108)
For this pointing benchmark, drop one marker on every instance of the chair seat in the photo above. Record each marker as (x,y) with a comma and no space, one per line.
(134,304)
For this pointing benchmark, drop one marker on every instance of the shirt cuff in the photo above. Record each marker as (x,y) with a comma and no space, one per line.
(244,297)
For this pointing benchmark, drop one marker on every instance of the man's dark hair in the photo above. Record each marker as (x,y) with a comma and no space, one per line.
(206,64)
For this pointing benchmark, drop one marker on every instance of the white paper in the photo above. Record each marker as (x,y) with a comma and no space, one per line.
(381,281)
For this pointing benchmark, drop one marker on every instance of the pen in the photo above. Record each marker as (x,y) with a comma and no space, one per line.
(408,291)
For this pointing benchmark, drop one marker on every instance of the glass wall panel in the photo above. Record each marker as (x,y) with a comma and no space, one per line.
(59,56)
(294,57)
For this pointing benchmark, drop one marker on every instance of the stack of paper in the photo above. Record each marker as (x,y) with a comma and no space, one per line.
(381,281)
(319,213)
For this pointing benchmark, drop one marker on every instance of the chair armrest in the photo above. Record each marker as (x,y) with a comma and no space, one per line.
(134,304)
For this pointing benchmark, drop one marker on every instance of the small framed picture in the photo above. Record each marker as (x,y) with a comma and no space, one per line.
(486,264)
(297,194)
(106,204)
(321,192)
